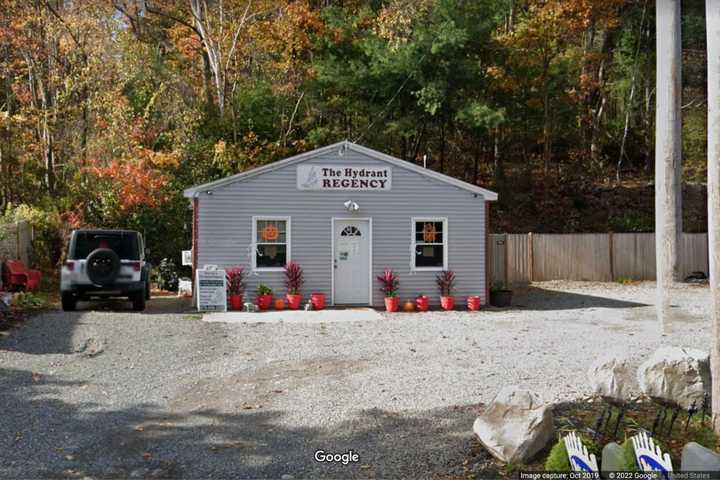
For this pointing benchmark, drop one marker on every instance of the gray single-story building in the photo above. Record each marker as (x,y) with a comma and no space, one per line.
(345,213)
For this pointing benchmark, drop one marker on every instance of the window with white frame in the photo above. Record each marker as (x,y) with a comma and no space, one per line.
(429,250)
(272,242)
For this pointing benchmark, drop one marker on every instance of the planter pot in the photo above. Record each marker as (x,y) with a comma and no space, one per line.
(391,304)
(501,298)
(264,301)
(279,304)
(473,302)
(422,303)
(447,303)
(294,301)
(318,301)
(236,301)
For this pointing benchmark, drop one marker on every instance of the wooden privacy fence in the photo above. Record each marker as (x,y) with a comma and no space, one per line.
(16,241)
(602,257)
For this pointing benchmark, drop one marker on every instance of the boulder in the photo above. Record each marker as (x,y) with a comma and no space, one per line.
(613,378)
(515,425)
(696,458)
(613,459)
(678,376)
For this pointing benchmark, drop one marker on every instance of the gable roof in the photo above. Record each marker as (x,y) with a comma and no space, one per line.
(348,145)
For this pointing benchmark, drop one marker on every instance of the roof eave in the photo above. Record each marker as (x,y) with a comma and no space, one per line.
(487,195)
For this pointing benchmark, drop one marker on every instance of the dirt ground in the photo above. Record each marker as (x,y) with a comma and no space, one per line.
(106,392)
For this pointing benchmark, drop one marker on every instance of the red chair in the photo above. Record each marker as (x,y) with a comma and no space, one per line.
(16,276)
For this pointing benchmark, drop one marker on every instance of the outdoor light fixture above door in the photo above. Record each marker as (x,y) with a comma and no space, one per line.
(351,206)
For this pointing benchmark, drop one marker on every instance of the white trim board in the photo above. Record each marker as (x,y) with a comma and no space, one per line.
(347,145)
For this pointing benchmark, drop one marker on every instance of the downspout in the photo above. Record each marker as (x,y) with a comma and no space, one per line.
(488,267)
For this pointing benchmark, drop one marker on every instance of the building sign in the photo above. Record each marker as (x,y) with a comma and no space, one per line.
(211,290)
(343,177)
(187,257)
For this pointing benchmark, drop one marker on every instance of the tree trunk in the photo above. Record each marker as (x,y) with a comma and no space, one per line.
(713,179)
(546,128)
(442,147)
(668,173)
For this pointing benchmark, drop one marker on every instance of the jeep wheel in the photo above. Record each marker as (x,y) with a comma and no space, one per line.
(102,266)
(147,290)
(138,301)
(69,302)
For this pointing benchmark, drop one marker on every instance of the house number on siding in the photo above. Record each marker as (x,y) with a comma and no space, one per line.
(343,177)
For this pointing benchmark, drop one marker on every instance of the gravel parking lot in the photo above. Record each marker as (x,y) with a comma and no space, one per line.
(161,394)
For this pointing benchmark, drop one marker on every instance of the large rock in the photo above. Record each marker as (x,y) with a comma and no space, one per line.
(696,458)
(515,426)
(613,379)
(679,376)
(613,459)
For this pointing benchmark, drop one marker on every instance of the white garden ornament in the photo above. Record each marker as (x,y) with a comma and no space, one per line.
(649,456)
(580,459)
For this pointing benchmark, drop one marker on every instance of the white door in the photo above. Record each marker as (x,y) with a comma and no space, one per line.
(352,262)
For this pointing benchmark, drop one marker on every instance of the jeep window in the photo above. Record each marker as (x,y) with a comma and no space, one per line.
(125,245)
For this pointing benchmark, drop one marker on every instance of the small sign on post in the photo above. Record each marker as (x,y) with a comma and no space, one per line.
(187,257)
(211,290)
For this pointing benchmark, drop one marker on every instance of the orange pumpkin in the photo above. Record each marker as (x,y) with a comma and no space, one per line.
(270,233)
(409,306)
(429,233)
(279,304)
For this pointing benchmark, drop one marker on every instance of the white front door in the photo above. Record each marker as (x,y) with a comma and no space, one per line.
(352,262)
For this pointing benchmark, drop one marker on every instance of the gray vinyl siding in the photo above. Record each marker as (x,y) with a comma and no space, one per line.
(225,227)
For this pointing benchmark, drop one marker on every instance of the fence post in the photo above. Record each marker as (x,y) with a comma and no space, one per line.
(530,257)
(612,262)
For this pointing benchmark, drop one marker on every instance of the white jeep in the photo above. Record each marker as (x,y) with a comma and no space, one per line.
(104,264)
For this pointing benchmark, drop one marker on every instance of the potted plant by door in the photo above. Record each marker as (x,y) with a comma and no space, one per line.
(389,283)
(446,283)
(500,295)
(293,282)
(473,303)
(422,303)
(317,300)
(235,286)
(264,296)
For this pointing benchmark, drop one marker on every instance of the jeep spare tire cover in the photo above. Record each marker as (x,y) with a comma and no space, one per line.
(102,266)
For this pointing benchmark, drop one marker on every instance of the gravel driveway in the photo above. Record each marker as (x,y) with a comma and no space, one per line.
(164,394)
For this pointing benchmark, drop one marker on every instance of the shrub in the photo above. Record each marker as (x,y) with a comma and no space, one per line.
(558,460)
(629,462)
(49,232)
(263,289)
(446,282)
(293,278)
(632,222)
(389,283)
(168,275)
(235,280)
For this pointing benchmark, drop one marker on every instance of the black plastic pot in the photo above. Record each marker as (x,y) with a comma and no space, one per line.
(500,298)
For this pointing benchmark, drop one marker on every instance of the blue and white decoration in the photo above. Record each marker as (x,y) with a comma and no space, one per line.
(649,456)
(580,459)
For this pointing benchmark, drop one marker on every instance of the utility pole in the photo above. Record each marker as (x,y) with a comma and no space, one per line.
(712,16)
(668,166)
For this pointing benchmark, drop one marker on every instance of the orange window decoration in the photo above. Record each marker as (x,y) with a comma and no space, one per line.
(429,233)
(270,233)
